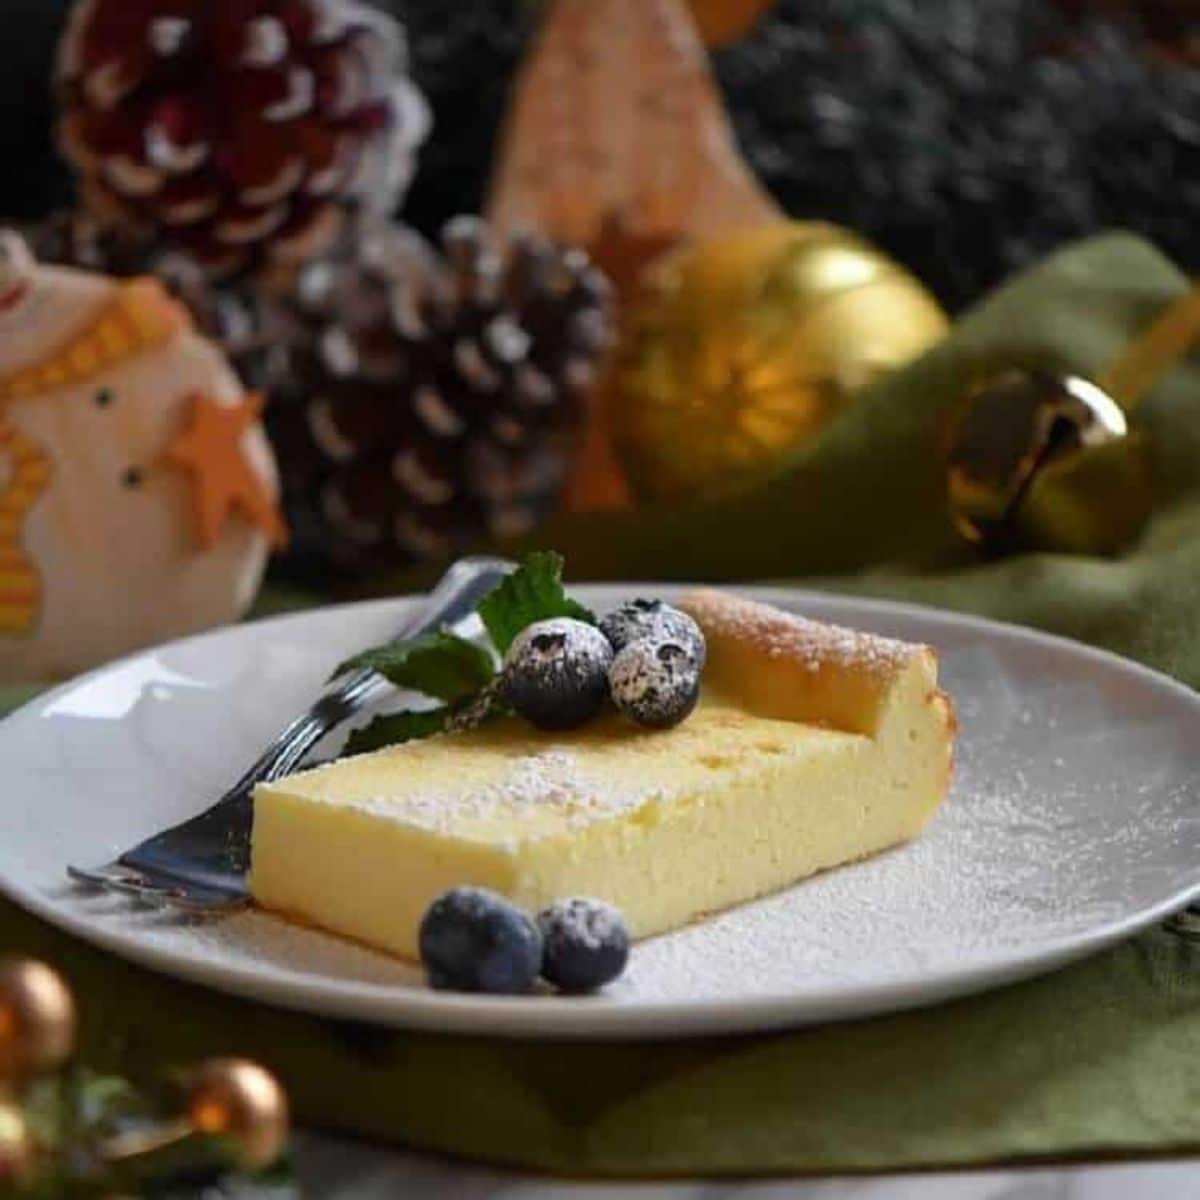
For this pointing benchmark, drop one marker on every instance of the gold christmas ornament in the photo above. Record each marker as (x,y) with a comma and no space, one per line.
(235,1099)
(741,348)
(37,1020)
(17,1147)
(1039,461)
(94,1135)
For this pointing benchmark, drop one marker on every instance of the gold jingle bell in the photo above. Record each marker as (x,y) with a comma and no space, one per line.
(1012,427)
(37,1020)
(741,348)
(1039,461)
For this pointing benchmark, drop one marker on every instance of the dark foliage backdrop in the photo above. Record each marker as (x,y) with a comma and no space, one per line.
(965,138)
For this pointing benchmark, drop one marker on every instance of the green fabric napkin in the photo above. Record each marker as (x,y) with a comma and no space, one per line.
(1097,1058)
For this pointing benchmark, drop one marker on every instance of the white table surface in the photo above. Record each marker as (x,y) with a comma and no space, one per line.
(343,1169)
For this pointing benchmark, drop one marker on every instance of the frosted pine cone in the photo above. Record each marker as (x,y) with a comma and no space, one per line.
(431,400)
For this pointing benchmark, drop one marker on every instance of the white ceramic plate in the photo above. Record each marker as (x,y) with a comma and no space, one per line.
(1074,820)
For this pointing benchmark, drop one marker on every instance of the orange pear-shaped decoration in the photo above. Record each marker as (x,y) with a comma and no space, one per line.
(617,133)
(617,140)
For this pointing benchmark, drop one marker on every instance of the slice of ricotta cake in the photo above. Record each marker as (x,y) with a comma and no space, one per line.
(812,746)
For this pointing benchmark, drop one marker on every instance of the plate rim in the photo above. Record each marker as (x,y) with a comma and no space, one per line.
(579,1018)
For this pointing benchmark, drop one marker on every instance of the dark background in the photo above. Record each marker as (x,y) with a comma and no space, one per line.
(966,137)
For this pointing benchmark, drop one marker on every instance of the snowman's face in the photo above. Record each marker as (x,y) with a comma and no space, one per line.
(41,307)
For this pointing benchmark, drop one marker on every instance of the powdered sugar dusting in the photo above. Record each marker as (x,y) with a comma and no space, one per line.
(587,921)
(552,782)
(1032,845)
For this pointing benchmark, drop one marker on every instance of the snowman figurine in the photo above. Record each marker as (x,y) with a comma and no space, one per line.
(137,489)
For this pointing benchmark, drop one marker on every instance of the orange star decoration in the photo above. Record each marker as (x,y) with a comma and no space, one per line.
(211,447)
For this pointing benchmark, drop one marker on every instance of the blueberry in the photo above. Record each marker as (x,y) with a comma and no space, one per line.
(473,940)
(555,673)
(655,682)
(585,944)
(641,618)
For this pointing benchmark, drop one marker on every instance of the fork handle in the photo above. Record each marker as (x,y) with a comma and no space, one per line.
(453,598)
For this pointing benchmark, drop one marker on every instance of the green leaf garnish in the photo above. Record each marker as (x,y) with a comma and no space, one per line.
(440,664)
(460,673)
(533,592)
(394,728)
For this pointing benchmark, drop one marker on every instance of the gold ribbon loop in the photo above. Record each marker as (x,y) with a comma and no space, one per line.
(1131,376)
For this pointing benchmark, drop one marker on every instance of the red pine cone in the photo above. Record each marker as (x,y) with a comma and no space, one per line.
(237,129)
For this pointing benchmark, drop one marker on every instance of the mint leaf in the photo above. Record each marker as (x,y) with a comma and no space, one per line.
(441,665)
(533,592)
(394,728)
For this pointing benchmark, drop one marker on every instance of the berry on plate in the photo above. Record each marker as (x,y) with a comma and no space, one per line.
(585,944)
(473,940)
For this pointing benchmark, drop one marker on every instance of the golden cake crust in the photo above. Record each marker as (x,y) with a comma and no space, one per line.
(778,664)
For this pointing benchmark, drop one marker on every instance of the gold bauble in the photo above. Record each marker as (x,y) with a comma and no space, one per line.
(17,1146)
(37,1019)
(242,1103)
(741,348)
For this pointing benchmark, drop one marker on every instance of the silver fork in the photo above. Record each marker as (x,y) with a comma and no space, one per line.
(200,865)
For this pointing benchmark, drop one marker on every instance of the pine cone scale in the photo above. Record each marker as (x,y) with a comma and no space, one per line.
(189,201)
